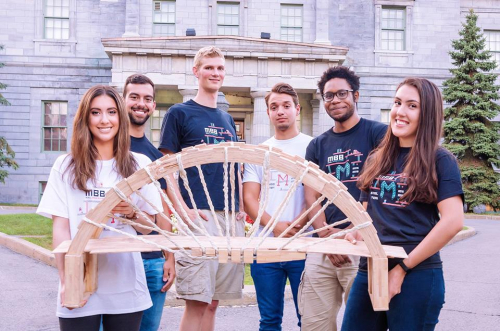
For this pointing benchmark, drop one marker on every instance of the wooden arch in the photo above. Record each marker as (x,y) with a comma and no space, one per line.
(81,252)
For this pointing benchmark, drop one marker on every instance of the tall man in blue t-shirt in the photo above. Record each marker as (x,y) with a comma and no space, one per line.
(340,151)
(139,94)
(203,283)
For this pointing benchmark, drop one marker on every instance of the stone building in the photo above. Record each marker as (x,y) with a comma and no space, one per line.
(56,49)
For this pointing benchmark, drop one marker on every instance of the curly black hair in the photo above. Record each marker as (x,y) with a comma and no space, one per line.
(339,72)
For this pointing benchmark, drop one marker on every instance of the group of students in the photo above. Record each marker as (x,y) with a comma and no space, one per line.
(409,186)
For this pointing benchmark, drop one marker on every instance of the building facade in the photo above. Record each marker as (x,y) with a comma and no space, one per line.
(56,49)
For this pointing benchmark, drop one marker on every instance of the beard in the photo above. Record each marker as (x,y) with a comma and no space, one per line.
(342,117)
(135,121)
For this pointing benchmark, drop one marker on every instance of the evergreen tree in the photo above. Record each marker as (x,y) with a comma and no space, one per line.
(6,153)
(469,131)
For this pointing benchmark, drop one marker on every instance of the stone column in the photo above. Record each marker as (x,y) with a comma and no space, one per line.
(188,94)
(321,120)
(322,22)
(131,18)
(222,102)
(260,125)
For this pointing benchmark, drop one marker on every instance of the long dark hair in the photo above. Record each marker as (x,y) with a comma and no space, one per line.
(84,153)
(420,166)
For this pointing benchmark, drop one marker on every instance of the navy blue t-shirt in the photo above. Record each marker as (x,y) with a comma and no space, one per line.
(188,124)
(405,224)
(144,146)
(343,155)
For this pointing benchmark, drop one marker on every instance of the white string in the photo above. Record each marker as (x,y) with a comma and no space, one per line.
(294,223)
(263,198)
(275,218)
(161,247)
(335,235)
(233,200)
(209,200)
(226,202)
(183,175)
(324,228)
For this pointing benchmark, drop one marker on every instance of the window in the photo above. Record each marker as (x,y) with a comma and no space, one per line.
(228,19)
(393,26)
(41,189)
(164,18)
(493,45)
(385,116)
(291,22)
(56,16)
(54,129)
(156,120)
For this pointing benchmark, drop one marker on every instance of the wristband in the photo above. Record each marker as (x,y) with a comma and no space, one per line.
(404,267)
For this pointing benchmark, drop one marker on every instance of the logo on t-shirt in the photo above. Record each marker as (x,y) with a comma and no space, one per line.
(388,189)
(279,180)
(345,165)
(217,135)
(92,199)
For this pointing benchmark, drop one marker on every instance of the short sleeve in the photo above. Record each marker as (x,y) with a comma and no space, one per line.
(252,173)
(379,133)
(311,152)
(364,196)
(54,201)
(449,179)
(171,129)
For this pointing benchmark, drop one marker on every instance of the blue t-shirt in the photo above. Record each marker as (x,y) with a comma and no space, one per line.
(343,155)
(405,224)
(188,124)
(144,146)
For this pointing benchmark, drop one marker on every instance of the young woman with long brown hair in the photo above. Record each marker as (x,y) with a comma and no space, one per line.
(413,192)
(100,157)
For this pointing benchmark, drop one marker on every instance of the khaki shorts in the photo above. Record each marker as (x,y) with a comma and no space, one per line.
(320,291)
(207,280)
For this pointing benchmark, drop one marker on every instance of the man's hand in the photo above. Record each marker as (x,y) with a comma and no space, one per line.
(194,217)
(327,232)
(168,272)
(338,260)
(282,226)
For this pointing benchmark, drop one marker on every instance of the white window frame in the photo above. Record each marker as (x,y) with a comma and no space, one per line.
(388,30)
(385,116)
(156,122)
(493,45)
(54,126)
(54,12)
(160,24)
(224,25)
(285,27)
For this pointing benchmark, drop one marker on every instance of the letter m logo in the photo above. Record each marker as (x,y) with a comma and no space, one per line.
(388,187)
(343,169)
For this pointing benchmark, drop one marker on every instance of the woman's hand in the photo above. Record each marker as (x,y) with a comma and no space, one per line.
(396,277)
(124,209)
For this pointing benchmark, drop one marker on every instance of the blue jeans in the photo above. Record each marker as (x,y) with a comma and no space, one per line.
(154,276)
(270,281)
(417,307)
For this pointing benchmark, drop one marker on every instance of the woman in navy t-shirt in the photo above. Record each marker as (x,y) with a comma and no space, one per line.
(412,190)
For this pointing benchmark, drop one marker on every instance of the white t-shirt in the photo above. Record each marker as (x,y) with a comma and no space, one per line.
(279,183)
(121,282)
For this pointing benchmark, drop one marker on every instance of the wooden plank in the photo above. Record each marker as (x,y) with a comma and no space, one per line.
(235,255)
(73,281)
(248,255)
(378,283)
(223,256)
(90,272)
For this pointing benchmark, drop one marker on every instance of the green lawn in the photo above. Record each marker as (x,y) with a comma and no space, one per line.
(28,225)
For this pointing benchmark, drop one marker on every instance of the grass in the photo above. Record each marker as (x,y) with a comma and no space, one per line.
(17,204)
(28,225)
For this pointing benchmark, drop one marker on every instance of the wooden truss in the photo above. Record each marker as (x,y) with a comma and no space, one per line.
(81,252)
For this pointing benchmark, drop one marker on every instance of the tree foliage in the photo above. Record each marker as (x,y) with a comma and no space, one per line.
(469,131)
(6,153)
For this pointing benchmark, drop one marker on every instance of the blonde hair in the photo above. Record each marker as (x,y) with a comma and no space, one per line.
(208,51)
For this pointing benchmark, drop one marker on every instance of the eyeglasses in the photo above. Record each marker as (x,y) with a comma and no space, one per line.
(341,94)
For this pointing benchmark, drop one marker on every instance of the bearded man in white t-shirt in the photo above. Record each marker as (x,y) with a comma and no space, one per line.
(270,278)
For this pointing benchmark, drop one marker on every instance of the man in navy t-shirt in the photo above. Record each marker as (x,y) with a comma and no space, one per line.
(139,95)
(340,151)
(202,283)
